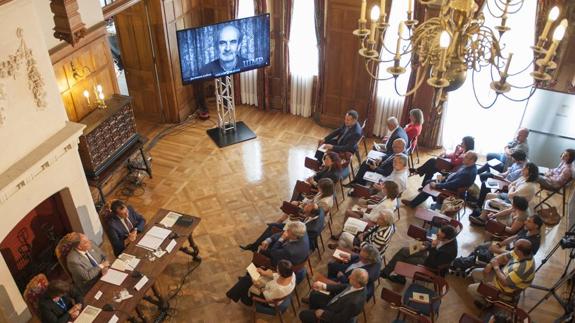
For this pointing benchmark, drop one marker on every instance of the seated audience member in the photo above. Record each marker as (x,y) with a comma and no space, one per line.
(384,167)
(461,179)
(270,286)
(331,168)
(377,235)
(343,304)
(434,165)
(86,263)
(291,244)
(310,215)
(388,192)
(60,303)
(434,255)
(124,224)
(531,232)
(344,138)
(519,143)
(413,128)
(525,186)
(510,272)
(515,216)
(513,173)
(368,259)
(395,132)
(557,177)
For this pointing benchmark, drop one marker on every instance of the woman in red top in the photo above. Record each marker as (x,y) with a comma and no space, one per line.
(413,128)
(445,162)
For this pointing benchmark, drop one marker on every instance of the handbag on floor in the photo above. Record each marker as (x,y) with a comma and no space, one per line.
(451,205)
(549,215)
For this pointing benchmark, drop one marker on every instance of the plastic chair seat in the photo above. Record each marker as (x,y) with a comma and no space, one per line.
(269,310)
(417,306)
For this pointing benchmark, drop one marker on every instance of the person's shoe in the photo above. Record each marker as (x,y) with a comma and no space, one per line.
(349,185)
(334,237)
(397,279)
(350,193)
(203,115)
(406,202)
(383,275)
(305,300)
(332,245)
(248,247)
(413,171)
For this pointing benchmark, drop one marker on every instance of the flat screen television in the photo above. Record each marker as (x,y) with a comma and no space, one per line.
(225,48)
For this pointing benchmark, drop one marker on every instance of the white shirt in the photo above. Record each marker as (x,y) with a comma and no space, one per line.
(400,178)
(273,290)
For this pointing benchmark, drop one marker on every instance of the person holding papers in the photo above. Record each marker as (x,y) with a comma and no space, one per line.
(86,263)
(389,191)
(263,283)
(343,139)
(368,259)
(513,172)
(461,179)
(331,169)
(377,235)
(383,166)
(60,303)
(123,224)
(515,216)
(435,254)
(336,303)
(518,143)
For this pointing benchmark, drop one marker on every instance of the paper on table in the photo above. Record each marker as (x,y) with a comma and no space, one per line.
(150,242)
(170,219)
(493,162)
(420,297)
(113,319)
(427,189)
(171,245)
(114,277)
(372,177)
(159,232)
(130,261)
(353,225)
(253,271)
(322,148)
(98,295)
(119,264)
(141,283)
(337,254)
(88,315)
(374,154)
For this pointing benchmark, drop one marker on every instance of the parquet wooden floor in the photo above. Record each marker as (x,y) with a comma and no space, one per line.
(237,189)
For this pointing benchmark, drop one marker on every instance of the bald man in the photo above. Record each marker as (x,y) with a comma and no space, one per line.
(519,143)
(229,61)
(345,301)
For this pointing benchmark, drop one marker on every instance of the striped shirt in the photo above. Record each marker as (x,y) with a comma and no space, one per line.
(378,236)
(519,273)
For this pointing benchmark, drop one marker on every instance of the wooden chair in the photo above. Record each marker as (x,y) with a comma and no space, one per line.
(496,229)
(412,149)
(290,209)
(63,248)
(395,302)
(301,273)
(417,233)
(312,163)
(360,142)
(275,307)
(468,318)
(428,308)
(35,288)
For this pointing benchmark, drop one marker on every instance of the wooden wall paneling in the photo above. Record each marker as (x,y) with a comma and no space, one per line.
(346,83)
(137,55)
(277,84)
(94,64)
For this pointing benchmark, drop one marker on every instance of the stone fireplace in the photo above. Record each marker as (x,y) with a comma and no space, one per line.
(39,155)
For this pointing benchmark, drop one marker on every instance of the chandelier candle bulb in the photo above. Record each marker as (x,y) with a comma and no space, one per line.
(382,8)
(362,14)
(398,46)
(409,7)
(506,70)
(444,41)
(558,35)
(99,88)
(553,14)
(87,96)
(374,16)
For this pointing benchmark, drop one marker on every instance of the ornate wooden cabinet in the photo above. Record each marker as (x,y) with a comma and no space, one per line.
(109,133)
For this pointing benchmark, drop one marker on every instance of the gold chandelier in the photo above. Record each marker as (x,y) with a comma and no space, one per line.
(446,47)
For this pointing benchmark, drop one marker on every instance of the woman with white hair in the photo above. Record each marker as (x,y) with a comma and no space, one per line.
(377,235)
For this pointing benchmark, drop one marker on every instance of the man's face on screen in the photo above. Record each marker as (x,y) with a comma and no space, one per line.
(228,44)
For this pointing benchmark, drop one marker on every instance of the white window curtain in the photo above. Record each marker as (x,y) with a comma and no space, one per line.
(249,79)
(303,57)
(494,127)
(388,103)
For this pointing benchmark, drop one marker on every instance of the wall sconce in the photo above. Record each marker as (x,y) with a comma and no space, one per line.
(100,98)
(79,73)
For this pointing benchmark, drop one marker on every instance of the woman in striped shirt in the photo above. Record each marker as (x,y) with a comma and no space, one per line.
(378,235)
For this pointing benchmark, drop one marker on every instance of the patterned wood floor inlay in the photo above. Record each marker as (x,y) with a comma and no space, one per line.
(237,189)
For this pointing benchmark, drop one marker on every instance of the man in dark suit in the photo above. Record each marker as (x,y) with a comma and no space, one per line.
(86,263)
(434,255)
(344,138)
(368,259)
(291,244)
(124,224)
(462,178)
(344,302)
(60,303)
(396,131)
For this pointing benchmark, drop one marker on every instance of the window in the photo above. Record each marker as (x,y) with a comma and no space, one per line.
(494,127)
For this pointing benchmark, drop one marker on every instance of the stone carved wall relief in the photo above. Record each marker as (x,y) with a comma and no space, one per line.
(10,67)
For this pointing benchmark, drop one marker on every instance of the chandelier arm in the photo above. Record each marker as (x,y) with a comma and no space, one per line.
(375,78)
(415,88)
(524,99)
(491,11)
(477,98)
(520,72)
(521,87)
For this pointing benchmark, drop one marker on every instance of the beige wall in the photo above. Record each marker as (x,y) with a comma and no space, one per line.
(89,10)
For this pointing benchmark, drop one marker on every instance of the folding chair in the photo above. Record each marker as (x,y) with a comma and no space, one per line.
(563,190)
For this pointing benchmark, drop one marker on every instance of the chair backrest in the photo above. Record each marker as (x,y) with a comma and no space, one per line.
(457,225)
(417,233)
(438,221)
(361,191)
(414,315)
(312,163)
(289,208)
(35,288)
(63,249)
(303,187)
(489,292)
(495,228)
(393,298)
(468,318)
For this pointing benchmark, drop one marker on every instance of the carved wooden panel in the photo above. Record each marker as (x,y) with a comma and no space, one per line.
(346,84)
(277,82)
(68,25)
(93,65)
(108,132)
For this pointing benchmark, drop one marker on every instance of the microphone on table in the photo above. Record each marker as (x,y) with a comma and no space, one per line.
(137,274)
(174,235)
